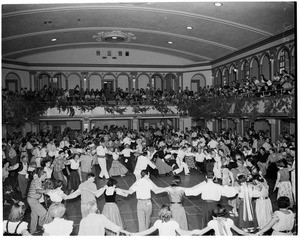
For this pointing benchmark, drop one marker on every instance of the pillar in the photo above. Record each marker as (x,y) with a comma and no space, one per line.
(274,130)
(181,124)
(86,124)
(135,124)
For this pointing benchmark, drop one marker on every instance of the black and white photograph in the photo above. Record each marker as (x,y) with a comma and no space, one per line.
(149,118)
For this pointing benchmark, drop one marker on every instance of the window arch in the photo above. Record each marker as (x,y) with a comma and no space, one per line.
(198,80)
(44,80)
(232,74)
(265,66)
(218,78)
(169,82)
(225,75)
(284,60)
(254,65)
(94,81)
(143,80)
(245,69)
(74,80)
(156,81)
(12,82)
(57,81)
(108,81)
(123,81)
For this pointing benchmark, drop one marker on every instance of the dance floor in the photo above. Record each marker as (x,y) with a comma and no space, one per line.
(127,205)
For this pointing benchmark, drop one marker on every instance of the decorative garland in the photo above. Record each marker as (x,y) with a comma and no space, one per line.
(17,111)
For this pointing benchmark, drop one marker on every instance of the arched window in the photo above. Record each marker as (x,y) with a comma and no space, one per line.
(198,81)
(284,61)
(254,68)
(12,82)
(94,82)
(55,81)
(108,82)
(232,74)
(44,80)
(169,82)
(143,81)
(266,66)
(73,81)
(123,81)
(218,79)
(156,82)
(225,80)
(246,70)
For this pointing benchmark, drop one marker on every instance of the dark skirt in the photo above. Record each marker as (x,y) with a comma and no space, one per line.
(74,180)
(112,213)
(272,171)
(247,224)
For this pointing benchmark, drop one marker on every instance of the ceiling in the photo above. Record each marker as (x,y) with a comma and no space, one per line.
(216,31)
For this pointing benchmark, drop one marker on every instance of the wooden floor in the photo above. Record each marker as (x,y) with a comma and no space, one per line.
(127,205)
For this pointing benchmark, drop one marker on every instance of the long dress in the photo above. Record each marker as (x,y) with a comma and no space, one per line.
(74,180)
(263,207)
(190,160)
(111,211)
(117,168)
(285,186)
(247,216)
(162,167)
(178,212)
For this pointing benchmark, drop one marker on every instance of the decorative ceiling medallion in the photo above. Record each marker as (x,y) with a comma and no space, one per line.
(114,37)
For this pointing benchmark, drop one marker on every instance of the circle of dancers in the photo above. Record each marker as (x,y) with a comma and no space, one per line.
(47,170)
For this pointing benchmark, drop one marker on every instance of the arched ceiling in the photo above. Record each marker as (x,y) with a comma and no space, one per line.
(216,31)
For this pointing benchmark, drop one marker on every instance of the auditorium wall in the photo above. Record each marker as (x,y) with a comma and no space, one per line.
(105,56)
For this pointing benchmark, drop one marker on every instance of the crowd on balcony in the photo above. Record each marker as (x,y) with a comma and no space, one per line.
(42,169)
(283,83)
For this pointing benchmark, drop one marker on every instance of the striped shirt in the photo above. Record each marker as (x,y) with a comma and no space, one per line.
(33,189)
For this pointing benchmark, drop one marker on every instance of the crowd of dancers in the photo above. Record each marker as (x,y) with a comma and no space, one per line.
(48,169)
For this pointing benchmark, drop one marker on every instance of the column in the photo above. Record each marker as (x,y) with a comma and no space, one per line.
(274,133)
(135,124)
(239,126)
(83,82)
(181,124)
(86,124)
(33,82)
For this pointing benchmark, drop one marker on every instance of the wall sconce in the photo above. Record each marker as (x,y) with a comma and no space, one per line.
(235,70)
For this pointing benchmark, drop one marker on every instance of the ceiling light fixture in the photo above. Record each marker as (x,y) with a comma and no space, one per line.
(189,27)
(170,42)
(114,37)
(54,39)
(218,4)
(47,22)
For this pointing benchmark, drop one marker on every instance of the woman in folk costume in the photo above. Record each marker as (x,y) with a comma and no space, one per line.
(283,182)
(117,169)
(110,208)
(263,205)
(56,196)
(247,216)
(217,166)
(190,158)
(220,224)
(283,220)
(176,193)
